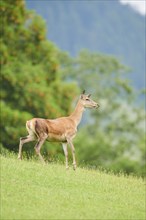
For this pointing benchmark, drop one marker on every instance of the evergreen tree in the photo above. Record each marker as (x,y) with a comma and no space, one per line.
(31,79)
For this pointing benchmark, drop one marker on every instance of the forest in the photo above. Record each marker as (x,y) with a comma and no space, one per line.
(40,80)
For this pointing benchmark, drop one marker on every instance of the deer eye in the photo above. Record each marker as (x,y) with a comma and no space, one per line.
(87,99)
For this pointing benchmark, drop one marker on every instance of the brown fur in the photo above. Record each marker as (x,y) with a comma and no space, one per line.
(61,129)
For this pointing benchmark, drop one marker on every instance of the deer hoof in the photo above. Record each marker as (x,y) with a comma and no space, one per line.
(19,157)
(74,166)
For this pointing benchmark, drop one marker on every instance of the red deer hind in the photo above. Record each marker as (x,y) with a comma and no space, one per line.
(61,130)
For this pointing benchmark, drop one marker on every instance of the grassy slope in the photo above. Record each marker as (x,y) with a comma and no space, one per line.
(30,190)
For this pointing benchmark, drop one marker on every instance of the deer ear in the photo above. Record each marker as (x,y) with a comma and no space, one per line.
(81,96)
(89,95)
(83,91)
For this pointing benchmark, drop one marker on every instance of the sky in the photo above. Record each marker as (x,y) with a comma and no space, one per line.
(137,5)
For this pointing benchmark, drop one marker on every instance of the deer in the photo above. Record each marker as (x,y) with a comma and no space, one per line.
(62,129)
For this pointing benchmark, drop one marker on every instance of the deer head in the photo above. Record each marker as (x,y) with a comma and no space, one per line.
(87,102)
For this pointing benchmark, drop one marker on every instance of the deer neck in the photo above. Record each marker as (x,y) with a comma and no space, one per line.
(76,116)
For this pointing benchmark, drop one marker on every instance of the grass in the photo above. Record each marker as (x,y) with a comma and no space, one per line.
(30,190)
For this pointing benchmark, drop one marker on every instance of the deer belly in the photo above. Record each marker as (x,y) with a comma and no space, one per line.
(56,137)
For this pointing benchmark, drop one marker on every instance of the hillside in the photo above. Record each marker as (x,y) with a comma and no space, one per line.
(101,26)
(30,190)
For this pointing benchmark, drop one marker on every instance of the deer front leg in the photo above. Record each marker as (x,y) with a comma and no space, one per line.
(64,145)
(73,153)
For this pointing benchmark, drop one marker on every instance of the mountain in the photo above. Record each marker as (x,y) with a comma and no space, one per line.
(100,26)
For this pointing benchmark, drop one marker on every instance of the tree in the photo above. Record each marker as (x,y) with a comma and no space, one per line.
(31,80)
(114,138)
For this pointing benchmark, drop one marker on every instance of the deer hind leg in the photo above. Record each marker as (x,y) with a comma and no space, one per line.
(64,145)
(73,153)
(24,140)
(38,148)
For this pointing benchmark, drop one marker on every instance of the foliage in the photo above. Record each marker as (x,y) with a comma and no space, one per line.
(115,136)
(32,191)
(31,81)
(39,80)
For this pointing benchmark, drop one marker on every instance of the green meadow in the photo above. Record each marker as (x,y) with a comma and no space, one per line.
(30,190)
